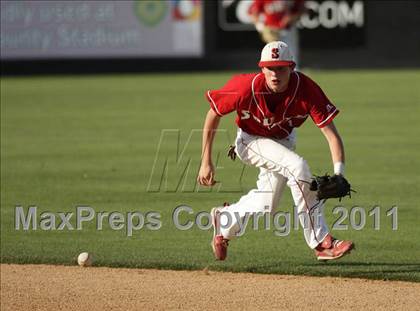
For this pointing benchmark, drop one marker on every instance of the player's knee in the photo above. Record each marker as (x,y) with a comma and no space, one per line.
(263,201)
(301,170)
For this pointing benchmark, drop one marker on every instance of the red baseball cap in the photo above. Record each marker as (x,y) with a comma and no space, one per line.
(276,54)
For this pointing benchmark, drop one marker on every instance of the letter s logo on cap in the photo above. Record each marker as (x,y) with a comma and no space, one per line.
(275,53)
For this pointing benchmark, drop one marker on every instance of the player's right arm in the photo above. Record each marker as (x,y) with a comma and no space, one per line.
(222,102)
(207,171)
(254,12)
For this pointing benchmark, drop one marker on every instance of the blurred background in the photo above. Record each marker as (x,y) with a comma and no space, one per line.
(188,35)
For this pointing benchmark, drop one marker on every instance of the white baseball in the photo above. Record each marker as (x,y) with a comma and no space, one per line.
(84,259)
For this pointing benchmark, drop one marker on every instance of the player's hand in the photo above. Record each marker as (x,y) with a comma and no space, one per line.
(206,175)
(259,26)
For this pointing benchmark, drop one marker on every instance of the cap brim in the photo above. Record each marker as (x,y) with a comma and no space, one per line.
(276,63)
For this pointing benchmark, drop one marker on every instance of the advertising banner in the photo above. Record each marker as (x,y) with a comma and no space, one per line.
(101,29)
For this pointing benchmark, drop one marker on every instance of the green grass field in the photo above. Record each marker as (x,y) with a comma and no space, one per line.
(93,141)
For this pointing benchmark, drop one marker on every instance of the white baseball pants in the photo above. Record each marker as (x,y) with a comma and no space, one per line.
(279,165)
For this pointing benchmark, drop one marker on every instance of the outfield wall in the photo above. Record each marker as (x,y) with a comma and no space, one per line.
(385,36)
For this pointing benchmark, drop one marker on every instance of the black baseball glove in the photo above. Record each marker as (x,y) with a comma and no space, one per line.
(231,152)
(327,187)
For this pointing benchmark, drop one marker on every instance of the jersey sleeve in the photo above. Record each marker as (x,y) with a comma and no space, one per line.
(226,99)
(257,7)
(322,111)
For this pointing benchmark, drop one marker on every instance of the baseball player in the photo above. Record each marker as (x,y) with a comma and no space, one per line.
(269,106)
(275,20)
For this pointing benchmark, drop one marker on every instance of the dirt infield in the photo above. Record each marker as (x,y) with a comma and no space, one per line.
(45,287)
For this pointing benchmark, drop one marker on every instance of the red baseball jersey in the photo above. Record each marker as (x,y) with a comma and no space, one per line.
(264,113)
(275,10)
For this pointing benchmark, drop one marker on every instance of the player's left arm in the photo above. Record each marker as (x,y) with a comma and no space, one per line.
(336,147)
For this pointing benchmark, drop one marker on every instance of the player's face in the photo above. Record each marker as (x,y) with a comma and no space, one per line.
(277,78)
